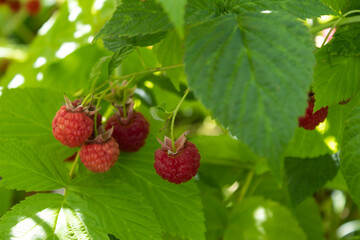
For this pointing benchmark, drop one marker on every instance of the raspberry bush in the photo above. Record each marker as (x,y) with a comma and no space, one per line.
(258,104)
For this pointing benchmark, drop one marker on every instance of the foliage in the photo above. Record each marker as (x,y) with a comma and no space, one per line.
(249,66)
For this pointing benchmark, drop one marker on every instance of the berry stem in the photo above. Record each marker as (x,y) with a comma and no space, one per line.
(338,22)
(124,104)
(86,99)
(74,165)
(96,113)
(174,116)
(246,185)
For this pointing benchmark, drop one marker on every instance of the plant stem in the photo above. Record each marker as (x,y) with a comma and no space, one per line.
(74,165)
(97,107)
(135,74)
(174,116)
(150,70)
(141,58)
(344,21)
(86,99)
(246,185)
(124,105)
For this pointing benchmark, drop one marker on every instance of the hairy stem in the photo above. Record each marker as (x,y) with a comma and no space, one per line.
(174,116)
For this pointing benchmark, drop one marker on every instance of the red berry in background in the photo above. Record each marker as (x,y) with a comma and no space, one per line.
(14,5)
(101,154)
(33,7)
(72,126)
(130,132)
(311,120)
(179,166)
(2,1)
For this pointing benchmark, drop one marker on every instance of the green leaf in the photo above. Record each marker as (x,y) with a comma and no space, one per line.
(307,175)
(30,167)
(337,72)
(177,207)
(98,70)
(336,79)
(224,150)
(50,216)
(119,208)
(125,21)
(143,40)
(343,5)
(254,84)
(198,11)
(350,154)
(170,51)
(119,55)
(215,216)
(345,41)
(302,9)
(307,144)
(256,218)
(308,216)
(159,113)
(72,73)
(27,114)
(176,11)
(6,200)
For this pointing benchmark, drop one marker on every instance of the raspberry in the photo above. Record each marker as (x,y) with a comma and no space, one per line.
(33,7)
(180,166)
(14,5)
(130,133)
(311,120)
(100,157)
(2,2)
(72,126)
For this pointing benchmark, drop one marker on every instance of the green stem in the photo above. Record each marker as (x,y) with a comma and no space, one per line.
(141,58)
(74,165)
(246,185)
(344,21)
(124,104)
(131,75)
(174,116)
(86,99)
(96,113)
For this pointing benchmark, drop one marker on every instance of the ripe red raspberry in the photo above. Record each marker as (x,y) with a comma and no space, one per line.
(130,132)
(311,120)
(14,5)
(180,166)
(33,7)
(100,157)
(72,126)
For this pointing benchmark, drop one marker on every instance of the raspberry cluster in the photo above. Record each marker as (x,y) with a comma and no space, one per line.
(127,130)
(73,126)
